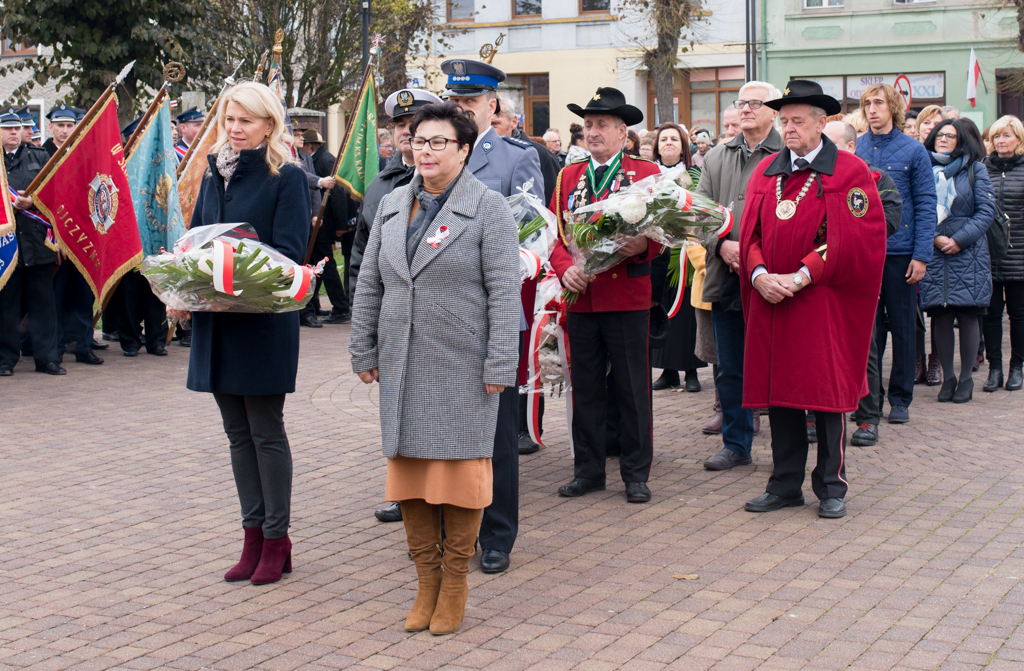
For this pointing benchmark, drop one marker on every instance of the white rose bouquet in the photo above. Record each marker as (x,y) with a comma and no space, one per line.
(538,231)
(225,268)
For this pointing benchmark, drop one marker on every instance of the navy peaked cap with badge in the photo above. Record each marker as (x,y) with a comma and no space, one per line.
(26,117)
(80,113)
(62,112)
(9,118)
(191,114)
(130,128)
(470,78)
(407,101)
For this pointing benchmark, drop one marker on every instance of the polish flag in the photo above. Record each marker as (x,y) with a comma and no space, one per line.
(973,72)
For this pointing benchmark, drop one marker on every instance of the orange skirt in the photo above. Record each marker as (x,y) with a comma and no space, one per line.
(466,483)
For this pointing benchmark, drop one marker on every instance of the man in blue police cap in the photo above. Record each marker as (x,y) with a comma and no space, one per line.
(27,124)
(189,123)
(31,283)
(504,164)
(62,121)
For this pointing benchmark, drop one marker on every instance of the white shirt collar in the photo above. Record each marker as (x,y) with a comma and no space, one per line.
(809,157)
(597,165)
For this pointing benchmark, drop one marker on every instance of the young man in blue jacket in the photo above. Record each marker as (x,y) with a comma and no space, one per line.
(910,248)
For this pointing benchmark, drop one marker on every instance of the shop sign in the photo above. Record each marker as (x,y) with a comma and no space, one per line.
(927,85)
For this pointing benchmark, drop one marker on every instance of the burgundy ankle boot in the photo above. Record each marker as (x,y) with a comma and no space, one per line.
(275,560)
(251,549)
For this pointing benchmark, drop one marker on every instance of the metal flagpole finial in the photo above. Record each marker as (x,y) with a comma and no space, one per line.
(230,79)
(122,74)
(174,72)
(375,44)
(278,38)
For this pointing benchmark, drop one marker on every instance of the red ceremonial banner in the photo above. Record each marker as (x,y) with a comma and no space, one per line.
(87,199)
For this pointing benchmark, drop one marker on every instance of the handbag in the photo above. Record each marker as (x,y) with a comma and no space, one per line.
(998,233)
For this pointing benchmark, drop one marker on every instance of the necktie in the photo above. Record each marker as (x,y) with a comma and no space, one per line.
(801,163)
(599,174)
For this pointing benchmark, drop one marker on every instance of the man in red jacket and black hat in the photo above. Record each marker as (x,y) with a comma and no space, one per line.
(812,247)
(609,322)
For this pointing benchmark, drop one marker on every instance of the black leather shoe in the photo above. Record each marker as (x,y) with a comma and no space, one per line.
(899,414)
(343,318)
(88,358)
(157,351)
(637,492)
(769,502)
(311,322)
(322,313)
(6,371)
(526,444)
(866,435)
(1015,380)
(494,561)
(51,369)
(964,391)
(725,460)
(580,486)
(690,382)
(392,512)
(812,432)
(131,352)
(100,346)
(186,340)
(665,382)
(832,508)
(110,337)
(995,379)
(947,391)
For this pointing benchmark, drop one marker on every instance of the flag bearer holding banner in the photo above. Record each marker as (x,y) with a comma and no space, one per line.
(30,257)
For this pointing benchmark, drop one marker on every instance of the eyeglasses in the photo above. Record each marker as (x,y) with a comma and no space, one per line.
(945,136)
(753,104)
(436,143)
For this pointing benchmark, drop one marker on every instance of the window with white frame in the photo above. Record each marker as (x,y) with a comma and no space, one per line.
(818,4)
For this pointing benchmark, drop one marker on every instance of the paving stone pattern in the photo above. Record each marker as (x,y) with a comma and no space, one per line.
(119,518)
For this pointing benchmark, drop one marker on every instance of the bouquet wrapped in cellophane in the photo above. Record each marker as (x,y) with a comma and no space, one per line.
(538,231)
(659,207)
(547,356)
(225,268)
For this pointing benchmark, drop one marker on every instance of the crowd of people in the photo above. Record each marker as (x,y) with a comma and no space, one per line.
(927,208)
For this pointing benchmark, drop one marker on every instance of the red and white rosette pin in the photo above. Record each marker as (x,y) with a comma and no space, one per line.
(529,264)
(726,226)
(224,267)
(436,238)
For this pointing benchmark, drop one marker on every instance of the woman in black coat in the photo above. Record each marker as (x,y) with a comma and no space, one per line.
(248,361)
(1006,169)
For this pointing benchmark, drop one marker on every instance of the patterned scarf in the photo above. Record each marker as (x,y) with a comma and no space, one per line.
(227,161)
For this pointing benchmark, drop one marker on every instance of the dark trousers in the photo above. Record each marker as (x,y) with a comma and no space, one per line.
(1010,295)
(74,301)
(737,421)
(330,278)
(789,454)
(621,338)
(869,410)
(500,523)
(29,290)
(524,424)
(261,459)
(137,305)
(899,303)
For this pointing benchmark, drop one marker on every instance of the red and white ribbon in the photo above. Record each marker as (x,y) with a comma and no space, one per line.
(302,278)
(685,201)
(681,289)
(442,233)
(536,385)
(224,267)
(726,226)
(529,264)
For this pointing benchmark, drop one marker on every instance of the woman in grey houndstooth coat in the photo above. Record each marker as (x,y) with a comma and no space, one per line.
(436,322)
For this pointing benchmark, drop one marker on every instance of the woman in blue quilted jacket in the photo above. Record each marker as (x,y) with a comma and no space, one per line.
(958,283)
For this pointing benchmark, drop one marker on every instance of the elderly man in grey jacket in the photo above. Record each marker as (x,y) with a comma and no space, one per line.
(727,169)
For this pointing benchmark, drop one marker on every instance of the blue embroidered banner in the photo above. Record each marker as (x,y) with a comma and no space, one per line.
(151,175)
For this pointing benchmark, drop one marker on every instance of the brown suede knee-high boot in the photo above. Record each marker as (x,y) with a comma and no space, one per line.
(423,533)
(461,526)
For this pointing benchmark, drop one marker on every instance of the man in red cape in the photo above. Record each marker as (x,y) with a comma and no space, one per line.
(609,322)
(812,247)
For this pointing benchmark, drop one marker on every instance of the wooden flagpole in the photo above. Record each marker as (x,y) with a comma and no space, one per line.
(228,82)
(337,161)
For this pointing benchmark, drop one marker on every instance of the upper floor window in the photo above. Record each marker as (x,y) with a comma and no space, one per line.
(461,10)
(817,4)
(521,8)
(592,6)
(9,48)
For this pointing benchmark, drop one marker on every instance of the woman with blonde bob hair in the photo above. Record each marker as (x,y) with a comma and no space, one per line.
(249,361)
(928,119)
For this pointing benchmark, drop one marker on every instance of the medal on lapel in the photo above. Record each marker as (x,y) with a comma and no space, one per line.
(435,240)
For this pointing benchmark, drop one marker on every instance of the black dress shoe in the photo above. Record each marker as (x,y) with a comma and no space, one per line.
(51,369)
(88,358)
(637,492)
(812,432)
(186,340)
(6,371)
(832,508)
(310,321)
(690,382)
(769,502)
(580,486)
(494,561)
(995,379)
(866,435)
(322,313)
(392,512)
(100,346)
(110,338)
(343,318)
(526,444)
(725,460)
(1015,380)
(131,352)
(157,351)
(665,382)
(964,391)
(947,391)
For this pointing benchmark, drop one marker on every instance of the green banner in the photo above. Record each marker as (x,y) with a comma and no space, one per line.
(359,157)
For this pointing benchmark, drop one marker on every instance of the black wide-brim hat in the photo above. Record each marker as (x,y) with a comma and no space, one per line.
(805,92)
(609,101)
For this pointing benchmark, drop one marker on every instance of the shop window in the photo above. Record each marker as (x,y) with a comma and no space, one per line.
(928,88)
(461,10)
(536,102)
(526,8)
(700,97)
(595,6)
